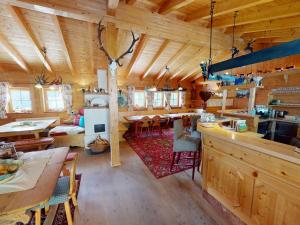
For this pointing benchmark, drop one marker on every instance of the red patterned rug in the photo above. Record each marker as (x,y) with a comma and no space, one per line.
(156,152)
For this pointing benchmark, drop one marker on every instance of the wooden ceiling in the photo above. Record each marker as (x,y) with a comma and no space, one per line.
(173,33)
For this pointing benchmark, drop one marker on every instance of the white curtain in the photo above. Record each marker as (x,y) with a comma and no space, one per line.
(66,90)
(131,90)
(182,95)
(3,99)
(150,99)
(168,100)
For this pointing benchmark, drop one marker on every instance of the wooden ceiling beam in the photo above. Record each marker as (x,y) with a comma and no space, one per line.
(275,24)
(173,59)
(172,5)
(292,33)
(14,54)
(275,40)
(137,53)
(156,57)
(133,18)
(18,17)
(130,2)
(225,7)
(63,43)
(274,10)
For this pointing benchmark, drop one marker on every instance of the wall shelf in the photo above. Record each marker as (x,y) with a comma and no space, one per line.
(286,106)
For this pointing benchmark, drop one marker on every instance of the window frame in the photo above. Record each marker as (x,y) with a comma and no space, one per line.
(10,102)
(178,102)
(45,101)
(162,100)
(145,100)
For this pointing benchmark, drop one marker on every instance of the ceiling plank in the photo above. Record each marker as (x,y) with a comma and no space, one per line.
(17,15)
(292,33)
(111,6)
(225,7)
(10,50)
(194,59)
(173,59)
(191,73)
(275,40)
(63,43)
(290,22)
(261,13)
(172,5)
(137,53)
(134,18)
(1,69)
(156,58)
(130,2)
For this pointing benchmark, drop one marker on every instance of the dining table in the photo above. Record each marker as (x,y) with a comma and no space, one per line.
(14,205)
(136,118)
(25,127)
(133,120)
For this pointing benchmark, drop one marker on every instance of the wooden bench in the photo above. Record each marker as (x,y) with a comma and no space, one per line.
(33,144)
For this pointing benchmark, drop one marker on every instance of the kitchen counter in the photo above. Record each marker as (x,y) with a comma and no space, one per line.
(252,120)
(258,180)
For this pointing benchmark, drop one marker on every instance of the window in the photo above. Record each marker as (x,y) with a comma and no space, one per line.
(158,99)
(53,100)
(139,99)
(174,99)
(20,100)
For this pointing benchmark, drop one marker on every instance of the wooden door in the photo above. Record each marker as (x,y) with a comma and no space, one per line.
(275,203)
(229,181)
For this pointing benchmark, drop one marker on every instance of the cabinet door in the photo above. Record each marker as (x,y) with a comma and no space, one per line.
(275,203)
(229,182)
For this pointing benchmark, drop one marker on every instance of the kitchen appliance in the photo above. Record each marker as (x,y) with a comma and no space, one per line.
(282,114)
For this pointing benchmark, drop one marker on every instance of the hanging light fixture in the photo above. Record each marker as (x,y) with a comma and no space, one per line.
(41,79)
(210,84)
(234,50)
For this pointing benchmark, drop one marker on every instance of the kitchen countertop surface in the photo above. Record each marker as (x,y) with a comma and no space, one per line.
(252,141)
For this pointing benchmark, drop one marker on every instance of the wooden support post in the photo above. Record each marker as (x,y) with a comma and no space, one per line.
(251,102)
(111,41)
(224,100)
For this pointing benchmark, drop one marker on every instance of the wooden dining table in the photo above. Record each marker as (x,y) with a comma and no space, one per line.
(13,205)
(25,127)
(137,118)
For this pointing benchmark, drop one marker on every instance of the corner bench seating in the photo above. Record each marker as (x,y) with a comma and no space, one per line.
(68,136)
(33,144)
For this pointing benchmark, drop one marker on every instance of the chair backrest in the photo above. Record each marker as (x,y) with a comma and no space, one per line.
(194,122)
(146,120)
(73,174)
(156,120)
(178,128)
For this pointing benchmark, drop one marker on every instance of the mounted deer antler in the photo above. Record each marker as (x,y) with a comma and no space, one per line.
(110,59)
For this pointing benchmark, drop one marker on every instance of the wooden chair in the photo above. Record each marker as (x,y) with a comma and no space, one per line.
(156,124)
(145,123)
(185,143)
(64,191)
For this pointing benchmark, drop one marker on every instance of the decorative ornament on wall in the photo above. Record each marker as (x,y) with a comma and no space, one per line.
(122,99)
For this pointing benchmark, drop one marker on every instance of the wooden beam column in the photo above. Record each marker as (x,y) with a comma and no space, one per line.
(112,47)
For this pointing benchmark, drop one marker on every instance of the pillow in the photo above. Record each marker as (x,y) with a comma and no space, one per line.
(81,121)
(76,120)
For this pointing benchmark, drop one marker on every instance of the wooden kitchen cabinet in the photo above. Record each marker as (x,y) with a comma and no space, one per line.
(275,203)
(231,182)
(257,180)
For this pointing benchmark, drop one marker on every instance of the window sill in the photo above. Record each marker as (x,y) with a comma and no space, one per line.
(18,113)
(140,109)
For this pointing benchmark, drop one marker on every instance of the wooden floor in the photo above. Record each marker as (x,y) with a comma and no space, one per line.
(131,195)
